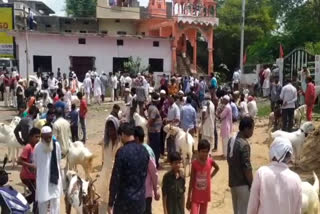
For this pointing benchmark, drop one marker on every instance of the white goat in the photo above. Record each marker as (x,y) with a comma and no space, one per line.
(141,121)
(296,138)
(299,114)
(184,143)
(76,189)
(79,154)
(7,137)
(310,196)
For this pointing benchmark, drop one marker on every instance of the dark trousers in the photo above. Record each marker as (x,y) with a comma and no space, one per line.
(148,206)
(31,184)
(74,133)
(287,119)
(154,142)
(162,139)
(83,127)
(215,136)
(171,146)
(116,94)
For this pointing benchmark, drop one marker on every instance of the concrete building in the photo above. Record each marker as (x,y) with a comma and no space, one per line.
(158,35)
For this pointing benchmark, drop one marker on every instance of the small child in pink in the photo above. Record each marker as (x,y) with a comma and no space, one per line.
(199,187)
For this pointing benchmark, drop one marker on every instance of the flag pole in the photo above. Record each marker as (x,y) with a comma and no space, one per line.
(242,34)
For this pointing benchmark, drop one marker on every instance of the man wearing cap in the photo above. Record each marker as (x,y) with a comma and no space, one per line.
(275,188)
(154,126)
(226,123)
(47,157)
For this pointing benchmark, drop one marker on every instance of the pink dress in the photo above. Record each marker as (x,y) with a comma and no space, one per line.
(202,180)
(226,121)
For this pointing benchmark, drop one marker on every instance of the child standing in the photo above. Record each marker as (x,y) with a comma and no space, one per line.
(27,174)
(173,187)
(74,120)
(200,180)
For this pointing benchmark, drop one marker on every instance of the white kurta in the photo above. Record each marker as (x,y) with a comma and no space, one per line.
(252,108)
(45,190)
(68,99)
(61,130)
(87,85)
(208,125)
(97,87)
(266,82)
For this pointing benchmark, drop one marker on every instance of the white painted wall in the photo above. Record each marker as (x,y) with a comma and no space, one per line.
(60,47)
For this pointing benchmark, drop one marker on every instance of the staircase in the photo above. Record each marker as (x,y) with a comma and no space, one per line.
(183,68)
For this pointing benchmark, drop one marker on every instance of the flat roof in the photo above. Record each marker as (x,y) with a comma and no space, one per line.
(39,5)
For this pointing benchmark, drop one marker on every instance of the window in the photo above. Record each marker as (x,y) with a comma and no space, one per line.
(67,22)
(42,63)
(122,33)
(143,33)
(118,63)
(48,26)
(156,65)
(156,44)
(117,20)
(67,31)
(104,32)
(83,31)
(85,22)
(119,42)
(82,41)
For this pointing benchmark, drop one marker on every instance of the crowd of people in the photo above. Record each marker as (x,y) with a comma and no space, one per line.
(196,105)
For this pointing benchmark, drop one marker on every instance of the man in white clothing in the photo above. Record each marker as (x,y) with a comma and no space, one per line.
(276,189)
(87,85)
(252,107)
(114,86)
(47,157)
(62,131)
(52,84)
(236,80)
(208,118)
(97,88)
(266,81)
(289,97)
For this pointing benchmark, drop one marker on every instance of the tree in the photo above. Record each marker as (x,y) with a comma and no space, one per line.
(81,8)
(134,66)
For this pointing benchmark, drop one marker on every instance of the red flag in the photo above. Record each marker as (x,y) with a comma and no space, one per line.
(245,58)
(281,51)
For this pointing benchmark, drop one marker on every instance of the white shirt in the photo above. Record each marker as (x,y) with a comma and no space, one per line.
(87,84)
(61,130)
(129,81)
(288,95)
(209,117)
(252,108)
(244,109)
(46,190)
(266,74)
(114,82)
(236,77)
(52,83)
(173,112)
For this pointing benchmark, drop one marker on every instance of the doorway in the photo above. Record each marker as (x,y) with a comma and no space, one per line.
(42,64)
(118,63)
(81,65)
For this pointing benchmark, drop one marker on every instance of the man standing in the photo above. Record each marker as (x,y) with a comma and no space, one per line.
(236,80)
(127,184)
(288,96)
(310,97)
(266,82)
(208,117)
(188,117)
(275,91)
(154,126)
(226,124)
(240,169)
(52,83)
(47,157)
(97,88)
(7,84)
(104,85)
(62,131)
(114,87)
(87,85)
(141,95)
(275,188)
(25,125)
(304,73)
(82,115)
(213,89)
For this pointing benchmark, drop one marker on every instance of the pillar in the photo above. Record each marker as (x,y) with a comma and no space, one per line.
(210,50)
(195,55)
(174,60)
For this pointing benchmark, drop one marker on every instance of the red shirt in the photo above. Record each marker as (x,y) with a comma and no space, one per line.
(310,94)
(201,184)
(26,155)
(83,108)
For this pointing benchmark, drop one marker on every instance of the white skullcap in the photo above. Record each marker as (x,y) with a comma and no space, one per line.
(163,92)
(279,148)
(127,90)
(226,97)
(46,130)
(181,92)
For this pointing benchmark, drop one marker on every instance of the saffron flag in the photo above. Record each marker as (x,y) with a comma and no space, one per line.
(281,52)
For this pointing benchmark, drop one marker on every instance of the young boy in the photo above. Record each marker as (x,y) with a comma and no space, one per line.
(27,174)
(74,118)
(173,187)
(82,115)
(200,180)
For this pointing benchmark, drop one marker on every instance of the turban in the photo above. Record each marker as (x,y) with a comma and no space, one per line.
(279,148)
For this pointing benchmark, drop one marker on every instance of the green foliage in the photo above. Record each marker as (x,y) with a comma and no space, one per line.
(134,66)
(264,109)
(81,8)
(313,47)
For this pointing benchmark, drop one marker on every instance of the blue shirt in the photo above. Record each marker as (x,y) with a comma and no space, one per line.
(127,184)
(60,104)
(188,117)
(214,83)
(74,118)
(235,111)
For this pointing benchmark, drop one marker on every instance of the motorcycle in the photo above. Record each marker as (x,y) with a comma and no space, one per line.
(11,201)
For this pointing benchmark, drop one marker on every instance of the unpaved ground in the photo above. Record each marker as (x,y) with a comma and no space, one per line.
(221,198)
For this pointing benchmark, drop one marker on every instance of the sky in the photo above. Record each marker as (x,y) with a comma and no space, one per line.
(58,5)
